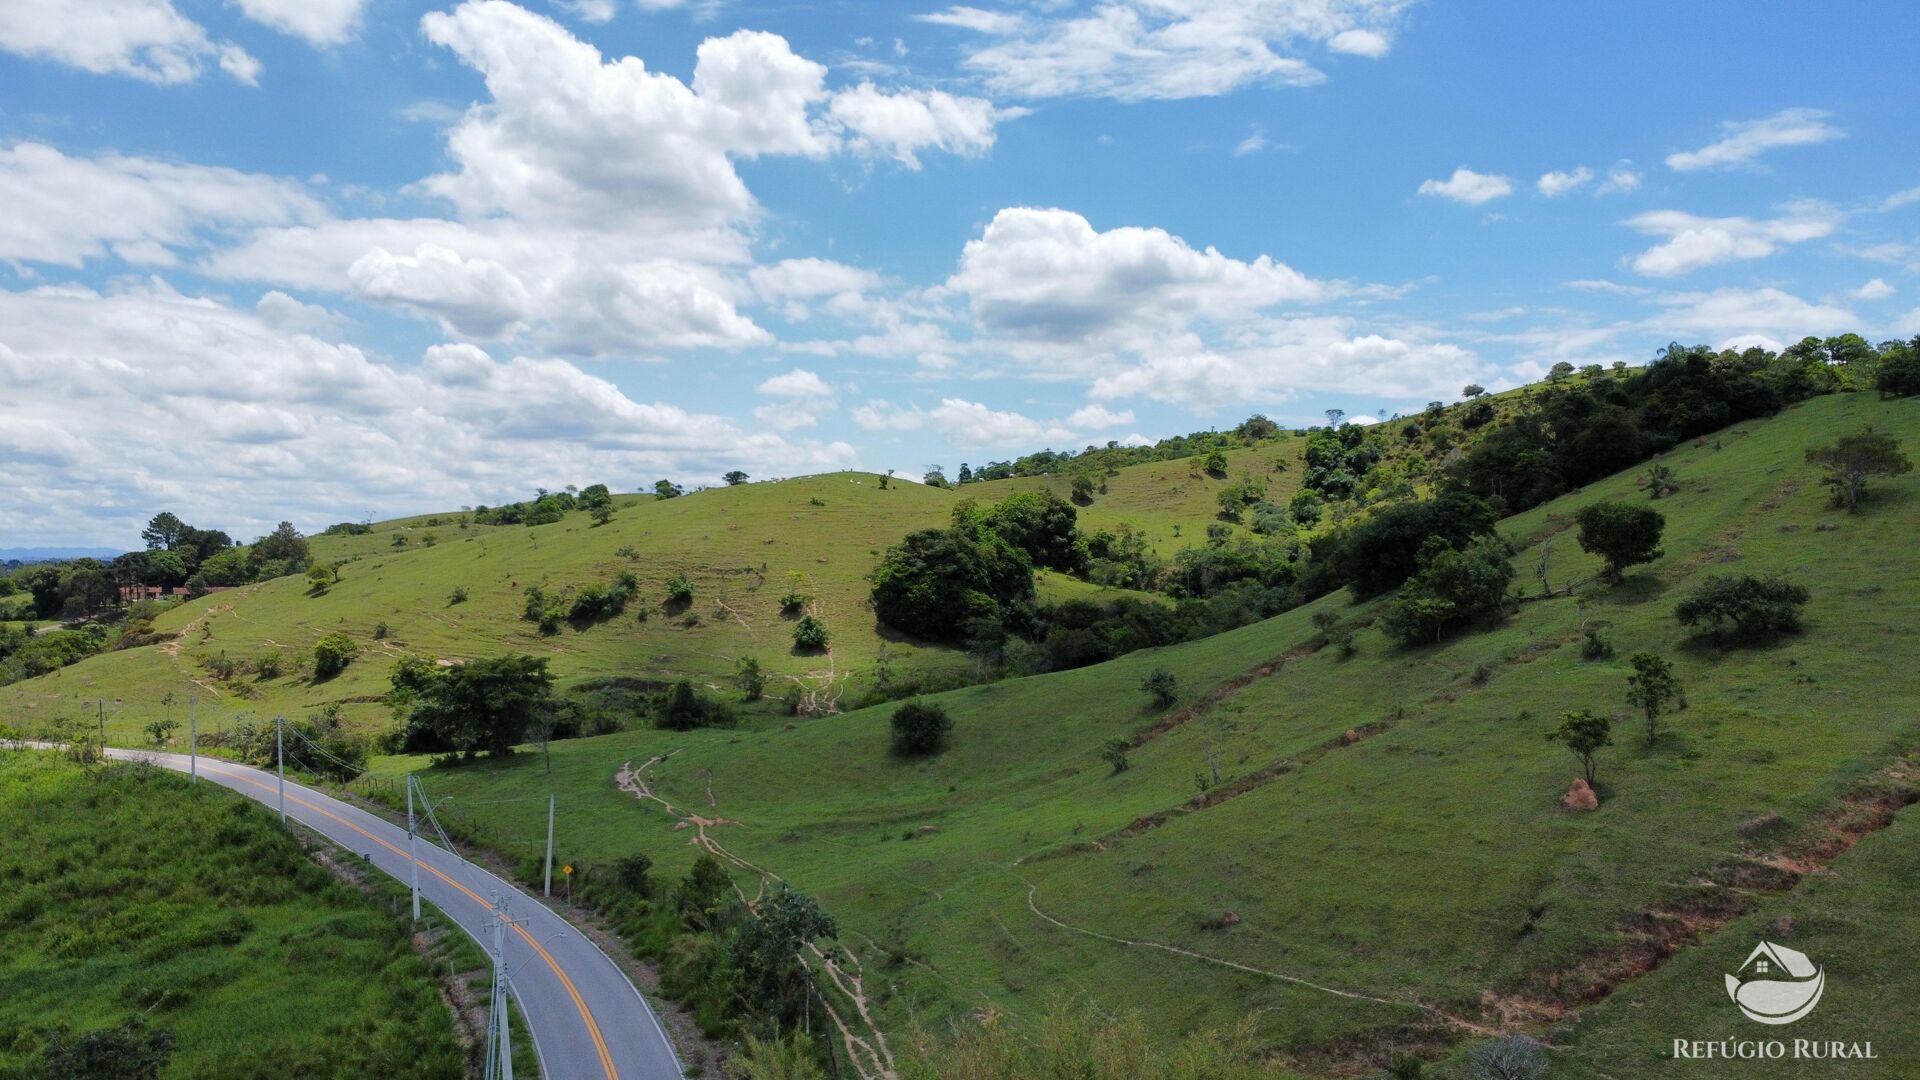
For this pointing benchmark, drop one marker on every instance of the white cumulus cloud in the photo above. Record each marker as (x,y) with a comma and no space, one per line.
(320,22)
(1694,242)
(1557,183)
(146,39)
(1467,186)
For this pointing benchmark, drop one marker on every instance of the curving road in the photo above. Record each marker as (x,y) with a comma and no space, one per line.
(588,1020)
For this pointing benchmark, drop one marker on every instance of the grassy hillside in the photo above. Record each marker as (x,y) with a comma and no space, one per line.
(126,891)
(1383,859)
(741,547)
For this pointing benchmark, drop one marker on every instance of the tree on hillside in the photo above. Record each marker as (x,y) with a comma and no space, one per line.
(1454,588)
(1622,534)
(966,473)
(1083,485)
(164,532)
(332,654)
(919,728)
(934,477)
(809,634)
(766,952)
(1852,459)
(1899,374)
(1651,688)
(1585,734)
(280,552)
(666,489)
(1560,372)
(1472,390)
(1214,464)
(1161,685)
(593,495)
(482,705)
(735,478)
(1750,608)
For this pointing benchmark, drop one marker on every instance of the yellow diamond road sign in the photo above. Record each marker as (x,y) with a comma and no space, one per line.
(566,869)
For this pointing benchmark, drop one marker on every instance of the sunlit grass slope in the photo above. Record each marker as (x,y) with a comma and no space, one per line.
(741,547)
(126,891)
(1386,825)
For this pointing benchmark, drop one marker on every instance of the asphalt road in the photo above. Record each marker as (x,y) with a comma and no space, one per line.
(588,1021)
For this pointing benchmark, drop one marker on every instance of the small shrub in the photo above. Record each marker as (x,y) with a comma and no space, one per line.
(679,590)
(457,596)
(1115,754)
(631,872)
(919,728)
(380,632)
(1162,685)
(1596,646)
(748,678)
(809,634)
(332,654)
(268,666)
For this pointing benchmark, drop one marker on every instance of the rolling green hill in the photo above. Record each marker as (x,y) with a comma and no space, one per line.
(1364,853)
(742,548)
(1383,860)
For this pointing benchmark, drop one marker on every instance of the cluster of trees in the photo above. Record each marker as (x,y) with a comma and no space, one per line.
(943,584)
(1105,460)
(1576,431)
(547,507)
(585,606)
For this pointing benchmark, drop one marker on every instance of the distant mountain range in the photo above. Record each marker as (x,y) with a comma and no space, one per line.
(42,554)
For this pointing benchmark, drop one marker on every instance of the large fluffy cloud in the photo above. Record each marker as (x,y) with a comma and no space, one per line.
(286,424)
(65,210)
(1140,49)
(1693,241)
(146,39)
(1047,276)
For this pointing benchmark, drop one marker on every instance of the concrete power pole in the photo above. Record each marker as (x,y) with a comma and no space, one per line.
(193,740)
(499,1031)
(549,885)
(280,760)
(413,849)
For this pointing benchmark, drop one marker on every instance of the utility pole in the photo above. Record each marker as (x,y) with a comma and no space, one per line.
(413,849)
(499,1031)
(280,760)
(101,704)
(549,885)
(193,740)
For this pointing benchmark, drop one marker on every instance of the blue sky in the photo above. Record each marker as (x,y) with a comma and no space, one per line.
(316,259)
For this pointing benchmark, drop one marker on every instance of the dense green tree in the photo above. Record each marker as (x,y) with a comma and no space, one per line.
(332,654)
(935,581)
(1455,587)
(594,495)
(919,728)
(1083,485)
(1039,523)
(164,532)
(1899,373)
(1584,733)
(766,952)
(1745,607)
(666,489)
(934,477)
(1215,464)
(700,895)
(1651,689)
(1472,390)
(1621,533)
(283,547)
(1852,459)
(735,478)
(481,705)
(1385,550)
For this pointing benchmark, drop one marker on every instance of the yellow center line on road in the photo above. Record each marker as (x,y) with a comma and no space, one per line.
(593,1029)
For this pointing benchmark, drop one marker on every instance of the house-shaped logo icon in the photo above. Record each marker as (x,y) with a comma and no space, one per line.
(1776,985)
